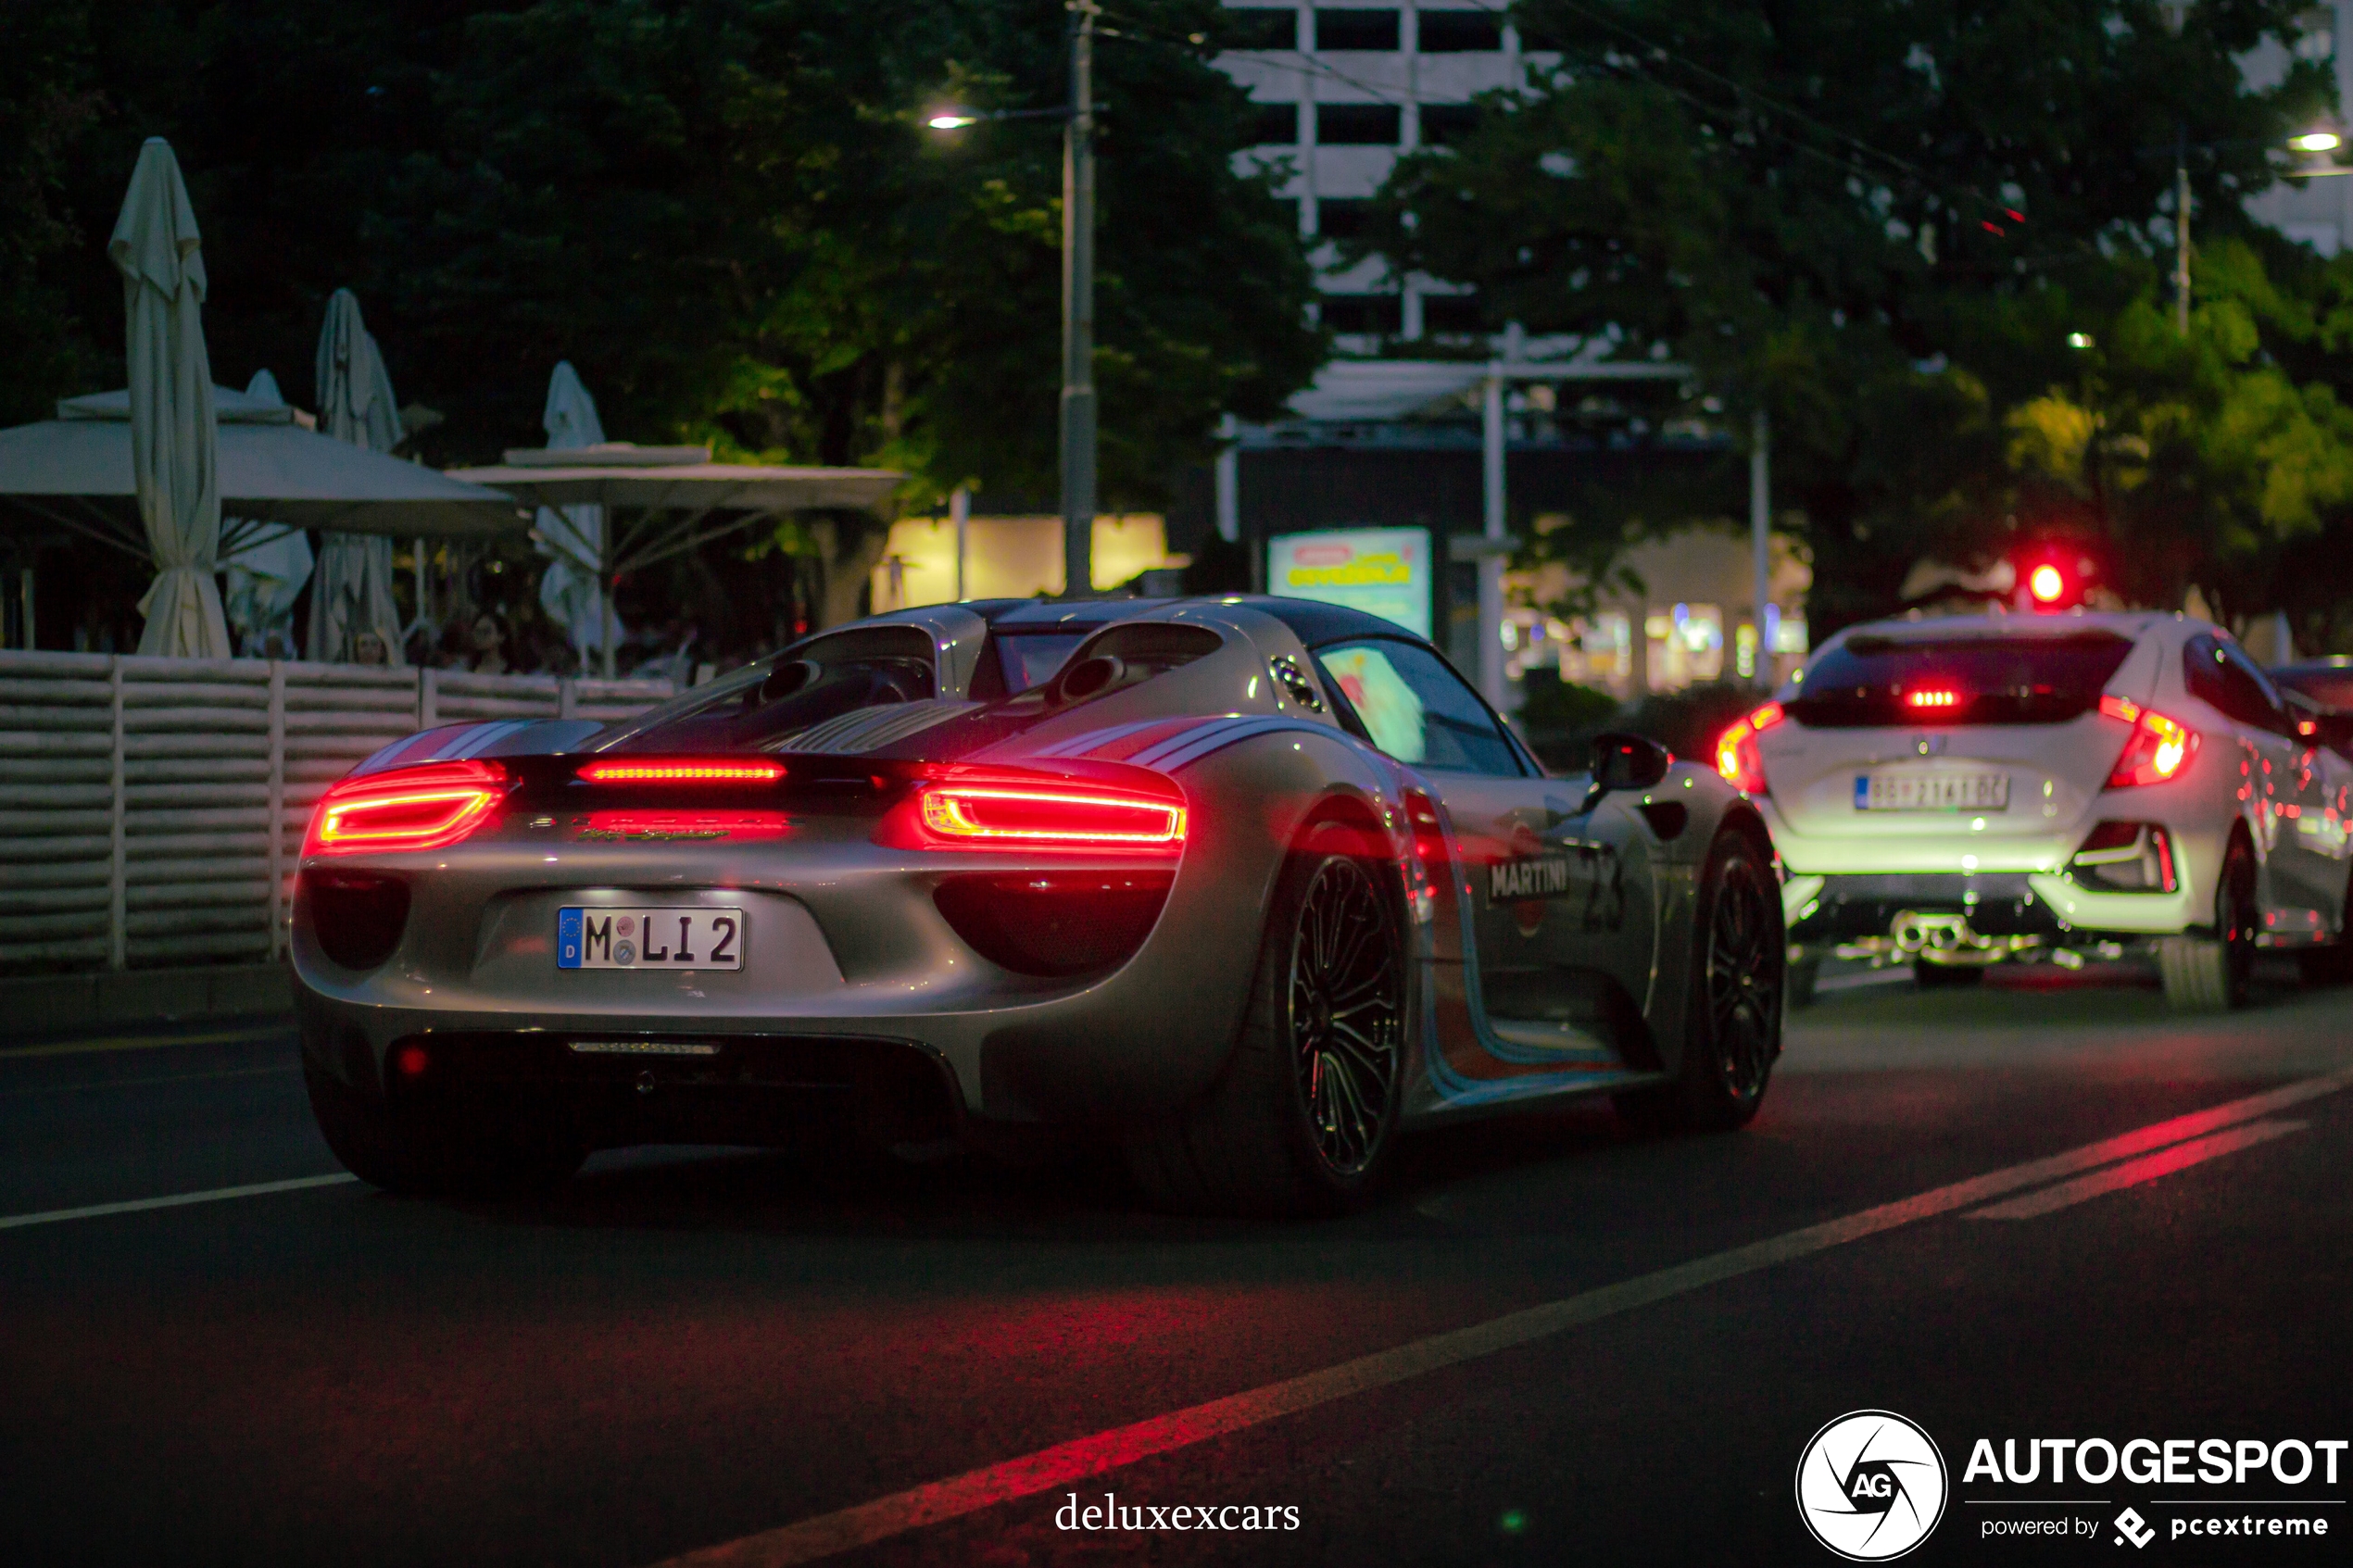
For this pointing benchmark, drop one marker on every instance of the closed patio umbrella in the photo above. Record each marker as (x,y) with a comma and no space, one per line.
(266,575)
(174,445)
(353,590)
(573,537)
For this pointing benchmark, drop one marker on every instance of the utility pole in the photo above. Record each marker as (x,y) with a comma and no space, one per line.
(1078,313)
(2182,232)
(1760,534)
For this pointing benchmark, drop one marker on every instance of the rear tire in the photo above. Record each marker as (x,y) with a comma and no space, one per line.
(2211,974)
(1302,1119)
(1732,1027)
(1805,982)
(422,1154)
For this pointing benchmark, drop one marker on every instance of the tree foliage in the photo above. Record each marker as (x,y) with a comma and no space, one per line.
(726,213)
(1881,221)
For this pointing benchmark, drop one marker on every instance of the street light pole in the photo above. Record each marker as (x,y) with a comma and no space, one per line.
(1078,313)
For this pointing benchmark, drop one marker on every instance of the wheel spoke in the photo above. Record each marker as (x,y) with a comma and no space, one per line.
(1346,993)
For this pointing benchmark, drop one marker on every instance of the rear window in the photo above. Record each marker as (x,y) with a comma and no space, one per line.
(1912,680)
(762,708)
(1026,659)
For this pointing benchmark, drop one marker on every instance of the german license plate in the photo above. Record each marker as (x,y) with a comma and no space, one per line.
(659,938)
(1931,792)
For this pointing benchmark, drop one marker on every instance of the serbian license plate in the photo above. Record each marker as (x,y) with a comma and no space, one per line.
(1931,792)
(672,939)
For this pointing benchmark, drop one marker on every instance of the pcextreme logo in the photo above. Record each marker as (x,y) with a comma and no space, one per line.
(1870,1486)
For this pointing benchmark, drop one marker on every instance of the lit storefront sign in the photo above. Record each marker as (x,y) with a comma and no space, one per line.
(1384,571)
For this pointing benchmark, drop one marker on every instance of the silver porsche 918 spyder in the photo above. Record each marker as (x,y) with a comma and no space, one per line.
(1249,886)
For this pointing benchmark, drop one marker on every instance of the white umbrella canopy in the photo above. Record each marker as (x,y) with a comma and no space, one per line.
(573,537)
(174,441)
(74,473)
(353,594)
(661,500)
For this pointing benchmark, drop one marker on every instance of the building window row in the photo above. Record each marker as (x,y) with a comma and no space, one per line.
(1366,30)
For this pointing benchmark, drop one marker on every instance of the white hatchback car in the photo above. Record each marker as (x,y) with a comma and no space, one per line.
(1960,792)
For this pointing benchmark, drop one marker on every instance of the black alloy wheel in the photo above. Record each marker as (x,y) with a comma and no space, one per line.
(1346,1013)
(1743,978)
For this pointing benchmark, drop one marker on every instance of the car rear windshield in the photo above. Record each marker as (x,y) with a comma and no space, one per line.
(762,707)
(2045,679)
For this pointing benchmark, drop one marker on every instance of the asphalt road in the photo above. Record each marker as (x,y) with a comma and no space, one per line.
(1552,1342)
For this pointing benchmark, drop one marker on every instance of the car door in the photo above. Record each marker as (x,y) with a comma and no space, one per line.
(2287,791)
(1560,907)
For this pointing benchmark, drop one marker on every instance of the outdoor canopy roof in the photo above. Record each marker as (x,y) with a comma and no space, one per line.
(661,500)
(674,479)
(75,471)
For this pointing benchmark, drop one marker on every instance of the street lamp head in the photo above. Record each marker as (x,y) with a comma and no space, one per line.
(950,118)
(2316,142)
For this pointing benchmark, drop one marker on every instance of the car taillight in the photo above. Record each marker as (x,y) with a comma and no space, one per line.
(1046,815)
(685,770)
(1932,697)
(2159,747)
(423,807)
(1736,757)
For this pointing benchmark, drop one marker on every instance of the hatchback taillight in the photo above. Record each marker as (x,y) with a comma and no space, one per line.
(1736,757)
(429,807)
(2158,749)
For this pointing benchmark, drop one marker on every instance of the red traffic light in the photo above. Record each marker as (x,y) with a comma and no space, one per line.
(2047,583)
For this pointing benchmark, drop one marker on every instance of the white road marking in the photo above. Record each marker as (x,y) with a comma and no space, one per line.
(146,1042)
(1082,1457)
(177,1201)
(145,1082)
(2132,1173)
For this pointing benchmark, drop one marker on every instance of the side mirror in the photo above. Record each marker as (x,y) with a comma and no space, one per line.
(1628,761)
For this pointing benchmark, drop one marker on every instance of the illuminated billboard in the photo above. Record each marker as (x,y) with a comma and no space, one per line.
(1384,571)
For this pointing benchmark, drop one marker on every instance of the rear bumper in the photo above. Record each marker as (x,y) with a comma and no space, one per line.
(2016,911)
(1838,908)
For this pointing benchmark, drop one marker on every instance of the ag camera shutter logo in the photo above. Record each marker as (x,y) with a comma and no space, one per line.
(1870,1486)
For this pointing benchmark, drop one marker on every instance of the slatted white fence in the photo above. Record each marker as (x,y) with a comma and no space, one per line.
(137,795)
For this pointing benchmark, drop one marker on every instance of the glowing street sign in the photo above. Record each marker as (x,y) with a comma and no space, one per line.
(1383,572)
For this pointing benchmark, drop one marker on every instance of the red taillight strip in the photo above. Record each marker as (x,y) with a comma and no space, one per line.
(684,771)
(1045,816)
(423,807)
(1736,755)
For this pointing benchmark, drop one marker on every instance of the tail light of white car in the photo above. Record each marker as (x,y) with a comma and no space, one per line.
(1736,757)
(2158,750)
(2126,858)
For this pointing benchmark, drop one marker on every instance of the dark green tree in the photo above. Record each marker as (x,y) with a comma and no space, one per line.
(1851,216)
